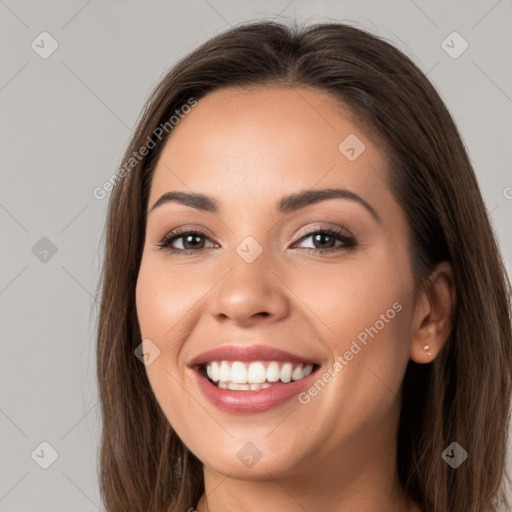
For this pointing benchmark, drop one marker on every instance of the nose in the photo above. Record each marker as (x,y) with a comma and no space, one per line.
(250,293)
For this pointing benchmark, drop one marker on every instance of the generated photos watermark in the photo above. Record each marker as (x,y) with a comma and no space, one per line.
(355,348)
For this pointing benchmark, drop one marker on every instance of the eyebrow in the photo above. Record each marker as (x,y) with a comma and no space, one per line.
(286,204)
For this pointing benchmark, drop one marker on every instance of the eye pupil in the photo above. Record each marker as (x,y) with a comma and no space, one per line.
(187,241)
(321,236)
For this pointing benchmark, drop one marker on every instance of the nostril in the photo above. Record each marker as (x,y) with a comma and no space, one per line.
(262,313)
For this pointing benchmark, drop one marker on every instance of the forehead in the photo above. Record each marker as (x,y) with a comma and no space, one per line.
(250,143)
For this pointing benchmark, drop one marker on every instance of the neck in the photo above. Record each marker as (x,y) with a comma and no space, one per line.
(276,495)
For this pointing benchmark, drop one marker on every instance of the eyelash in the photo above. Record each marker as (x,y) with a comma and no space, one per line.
(349,242)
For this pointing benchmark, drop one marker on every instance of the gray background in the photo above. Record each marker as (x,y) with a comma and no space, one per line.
(66,121)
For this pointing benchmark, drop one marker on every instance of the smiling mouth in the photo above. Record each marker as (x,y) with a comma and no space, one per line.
(253,376)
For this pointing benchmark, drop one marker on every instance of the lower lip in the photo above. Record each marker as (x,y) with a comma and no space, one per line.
(240,402)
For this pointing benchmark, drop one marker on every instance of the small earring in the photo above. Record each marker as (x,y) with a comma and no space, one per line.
(426,348)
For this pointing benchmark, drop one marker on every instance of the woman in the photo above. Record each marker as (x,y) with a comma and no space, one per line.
(303,304)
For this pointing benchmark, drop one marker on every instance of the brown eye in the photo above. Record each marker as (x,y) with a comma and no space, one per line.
(190,241)
(324,240)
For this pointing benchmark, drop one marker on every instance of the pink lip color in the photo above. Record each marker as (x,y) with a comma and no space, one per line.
(240,402)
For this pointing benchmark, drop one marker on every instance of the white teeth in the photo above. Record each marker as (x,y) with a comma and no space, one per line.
(225,371)
(235,386)
(273,372)
(238,375)
(297,373)
(256,374)
(215,371)
(263,385)
(286,372)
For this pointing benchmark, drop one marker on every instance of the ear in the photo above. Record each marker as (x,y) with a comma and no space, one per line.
(433,317)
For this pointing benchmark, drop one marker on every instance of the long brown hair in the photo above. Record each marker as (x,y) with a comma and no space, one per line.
(463,395)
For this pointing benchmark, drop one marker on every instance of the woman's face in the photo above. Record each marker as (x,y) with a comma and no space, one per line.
(251,283)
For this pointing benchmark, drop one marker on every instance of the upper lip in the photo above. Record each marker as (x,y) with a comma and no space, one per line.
(248,353)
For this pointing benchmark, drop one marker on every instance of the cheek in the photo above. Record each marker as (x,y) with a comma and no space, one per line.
(158,311)
(165,302)
(345,298)
(363,312)
(162,305)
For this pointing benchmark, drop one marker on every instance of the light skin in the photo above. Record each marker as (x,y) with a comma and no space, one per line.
(248,149)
